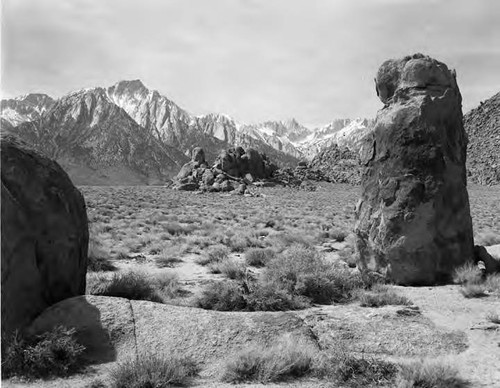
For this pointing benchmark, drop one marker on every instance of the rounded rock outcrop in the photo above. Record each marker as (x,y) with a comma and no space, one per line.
(413,223)
(44,235)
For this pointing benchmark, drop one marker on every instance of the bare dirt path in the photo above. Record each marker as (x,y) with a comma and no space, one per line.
(448,309)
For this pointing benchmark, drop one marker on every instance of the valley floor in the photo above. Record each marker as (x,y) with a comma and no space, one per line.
(158,231)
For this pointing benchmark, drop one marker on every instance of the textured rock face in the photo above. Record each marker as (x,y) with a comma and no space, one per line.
(413,220)
(116,329)
(44,235)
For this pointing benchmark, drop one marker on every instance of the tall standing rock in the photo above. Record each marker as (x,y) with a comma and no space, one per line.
(413,220)
(44,235)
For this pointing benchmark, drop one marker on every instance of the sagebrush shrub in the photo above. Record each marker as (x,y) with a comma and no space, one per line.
(267,297)
(301,270)
(214,254)
(222,296)
(259,257)
(54,353)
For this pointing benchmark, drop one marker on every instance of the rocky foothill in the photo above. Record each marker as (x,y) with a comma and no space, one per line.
(233,170)
(483,150)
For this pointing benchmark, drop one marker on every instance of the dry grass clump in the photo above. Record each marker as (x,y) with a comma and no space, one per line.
(129,285)
(470,290)
(492,283)
(259,257)
(381,295)
(467,274)
(230,268)
(474,284)
(214,254)
(289,357)
(154,371)
(54,353)
(428,373)
(350,370)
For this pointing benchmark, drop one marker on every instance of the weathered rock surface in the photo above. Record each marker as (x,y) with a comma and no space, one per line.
(115,329)
(44,235)
(486,255)
(338,164)
(413,220)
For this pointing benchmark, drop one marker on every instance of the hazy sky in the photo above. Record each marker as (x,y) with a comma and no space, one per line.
(253,59)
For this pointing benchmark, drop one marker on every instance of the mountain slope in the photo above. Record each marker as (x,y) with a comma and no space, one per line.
(98,143)
(15,111)
(174,126)
(482,125)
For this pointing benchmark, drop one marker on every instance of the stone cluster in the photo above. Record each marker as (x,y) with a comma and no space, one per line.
(233,170)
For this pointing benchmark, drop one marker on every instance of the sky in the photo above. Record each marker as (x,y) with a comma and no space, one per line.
(255,60)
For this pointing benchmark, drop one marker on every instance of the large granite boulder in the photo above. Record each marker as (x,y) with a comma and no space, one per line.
(413,219)
(44,235)
(117,329)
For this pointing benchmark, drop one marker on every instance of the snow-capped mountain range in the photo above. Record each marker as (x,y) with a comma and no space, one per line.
(104,135)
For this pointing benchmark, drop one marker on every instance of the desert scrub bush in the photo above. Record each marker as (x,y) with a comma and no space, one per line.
(155,371)
(222,296)
(428,373)
(98,258)
(129,285)
(381,295)
(471,290)
(214,254)
(301,270)
(240,242)
(467,274)
(259,257)
(268,297)
(355,371)
(289,357)
(54,353)
(230,268)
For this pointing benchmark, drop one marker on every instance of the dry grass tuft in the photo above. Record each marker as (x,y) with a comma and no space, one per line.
(381,295)
(289,357)
(429,373)
(154,371)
